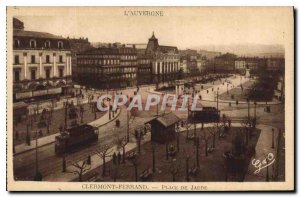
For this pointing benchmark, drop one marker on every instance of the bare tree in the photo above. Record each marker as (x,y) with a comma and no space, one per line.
(205,137)
(213,132)
(218,128)
(139,136)
(247,125)
(197,151)
(187,125)
(104,152)
(80,168)
(115,172)
(174,169)
(135,162)
(153,158)
(121,143)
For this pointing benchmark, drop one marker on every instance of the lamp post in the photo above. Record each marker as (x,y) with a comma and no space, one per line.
(248,102)
(27,135)
(273,138)
(255,109)
(38,175)
(218,100)
(66,113)
(227,87)
(127,126)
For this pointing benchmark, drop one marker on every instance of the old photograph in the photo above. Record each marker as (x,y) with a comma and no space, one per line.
(150,98)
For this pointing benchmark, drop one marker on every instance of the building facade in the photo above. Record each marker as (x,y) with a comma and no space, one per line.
(77,45)
(165,61)
(275,64)
(144,74)
(42,64)
(108,67)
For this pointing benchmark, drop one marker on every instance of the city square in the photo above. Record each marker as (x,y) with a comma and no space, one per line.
(107,111)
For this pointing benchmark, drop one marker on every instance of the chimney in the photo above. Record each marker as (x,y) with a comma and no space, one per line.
(133,46)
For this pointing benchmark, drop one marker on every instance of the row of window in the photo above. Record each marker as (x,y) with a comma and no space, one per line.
(105,62)
(167,63)
(32,44)
(33,59)
(106,70)
(168,57)
(33,74)
(128,57)
(99,56)
(125,70)
(101,62)
(144,61)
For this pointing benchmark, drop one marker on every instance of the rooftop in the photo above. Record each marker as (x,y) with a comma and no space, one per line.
(35,34)
(167,119)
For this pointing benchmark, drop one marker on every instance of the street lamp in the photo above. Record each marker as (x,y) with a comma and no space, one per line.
(218,100)
(127,126)
(65,108)
(273,138)
(27,135)
(248,102)
(255,109)
(38,176)
(227,87)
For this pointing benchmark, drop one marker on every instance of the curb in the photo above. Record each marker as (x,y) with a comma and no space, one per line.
(46,144)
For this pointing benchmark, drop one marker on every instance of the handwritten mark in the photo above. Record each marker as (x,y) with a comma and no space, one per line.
(269,160)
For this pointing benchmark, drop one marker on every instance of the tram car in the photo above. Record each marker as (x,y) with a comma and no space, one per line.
(74,138)
(207,114)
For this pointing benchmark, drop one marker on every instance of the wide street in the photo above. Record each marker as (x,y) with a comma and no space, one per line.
(49,163)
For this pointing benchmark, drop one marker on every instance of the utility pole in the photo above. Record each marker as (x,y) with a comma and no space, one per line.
(255,110)
(217,101)
(248,102)
(66,113)
(273,138)
(36,153)
(127,126)
(38,175)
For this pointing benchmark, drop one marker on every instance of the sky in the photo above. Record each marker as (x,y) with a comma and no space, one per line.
(184,27)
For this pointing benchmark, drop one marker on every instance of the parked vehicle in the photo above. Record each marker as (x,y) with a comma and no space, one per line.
(208,114)
(74,138)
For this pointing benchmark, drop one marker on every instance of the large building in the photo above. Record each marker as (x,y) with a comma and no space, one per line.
(42,63)
(144,74)
(189,58)
(275,64)
(164,61)
(78,45)
(108,67)
(224,63)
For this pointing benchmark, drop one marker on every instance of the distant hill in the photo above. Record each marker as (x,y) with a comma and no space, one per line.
(209,54)
(244,50)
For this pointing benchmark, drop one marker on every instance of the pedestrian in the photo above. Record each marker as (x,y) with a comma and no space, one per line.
(119,158)
(41,133)
(114,158)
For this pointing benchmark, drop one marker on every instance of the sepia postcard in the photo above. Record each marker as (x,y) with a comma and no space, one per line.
(150,99)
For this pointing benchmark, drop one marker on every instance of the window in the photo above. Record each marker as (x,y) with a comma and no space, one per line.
(16,43)
(60,59)
(17,59)
(17,75)
(47,58)
(60,44)
(47,73)
(32,43)
(61,72)
(47,44)
(33,77)
(33,59)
